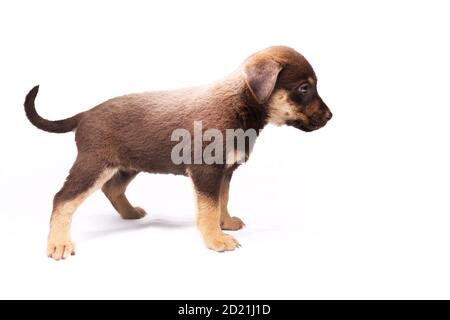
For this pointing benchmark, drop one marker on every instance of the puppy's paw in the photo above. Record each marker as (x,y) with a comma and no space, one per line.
(221,242)
(136,213)
(60,249)
(233,223)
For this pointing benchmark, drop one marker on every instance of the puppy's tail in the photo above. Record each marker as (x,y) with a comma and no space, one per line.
(60,126)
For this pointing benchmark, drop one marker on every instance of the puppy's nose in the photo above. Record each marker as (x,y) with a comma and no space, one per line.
(328,115)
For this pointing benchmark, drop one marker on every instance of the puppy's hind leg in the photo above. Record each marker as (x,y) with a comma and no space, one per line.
(114,190)
(86,176)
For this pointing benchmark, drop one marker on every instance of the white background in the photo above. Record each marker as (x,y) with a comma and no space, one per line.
(359,209)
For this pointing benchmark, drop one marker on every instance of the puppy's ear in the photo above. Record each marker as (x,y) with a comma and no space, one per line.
(261,77)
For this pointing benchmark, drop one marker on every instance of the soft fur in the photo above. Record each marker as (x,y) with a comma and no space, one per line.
(130,134)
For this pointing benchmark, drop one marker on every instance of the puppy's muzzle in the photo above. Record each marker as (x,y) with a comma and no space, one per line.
(314,123)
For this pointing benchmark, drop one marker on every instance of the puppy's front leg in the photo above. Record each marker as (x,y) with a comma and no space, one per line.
(227,222)
(207,183)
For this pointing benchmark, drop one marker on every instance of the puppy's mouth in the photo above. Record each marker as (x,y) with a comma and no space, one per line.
(311,126)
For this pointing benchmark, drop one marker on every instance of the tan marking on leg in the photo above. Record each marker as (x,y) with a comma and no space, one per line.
(226,221)
(60,245)
(208,222)
(114,190)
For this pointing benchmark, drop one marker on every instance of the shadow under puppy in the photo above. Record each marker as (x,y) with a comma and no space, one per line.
(130,134)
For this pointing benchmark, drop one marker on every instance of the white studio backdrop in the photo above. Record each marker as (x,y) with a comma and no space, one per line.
(358,209)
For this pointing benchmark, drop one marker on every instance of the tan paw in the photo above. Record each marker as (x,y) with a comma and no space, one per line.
(222,242)
(137,213)
(60,249)
(234,223)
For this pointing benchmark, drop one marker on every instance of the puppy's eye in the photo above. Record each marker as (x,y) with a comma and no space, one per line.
(304,88)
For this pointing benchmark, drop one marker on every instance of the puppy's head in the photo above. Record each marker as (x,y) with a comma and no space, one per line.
(281,80)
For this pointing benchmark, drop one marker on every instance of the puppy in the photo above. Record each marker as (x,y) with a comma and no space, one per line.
(130,134)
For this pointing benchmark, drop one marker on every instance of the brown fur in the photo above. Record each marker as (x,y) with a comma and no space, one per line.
(130,134)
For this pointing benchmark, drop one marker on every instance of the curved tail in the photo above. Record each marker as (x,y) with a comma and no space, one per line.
(59,126)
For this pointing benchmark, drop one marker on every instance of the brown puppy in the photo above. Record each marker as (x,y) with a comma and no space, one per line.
(126,135)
